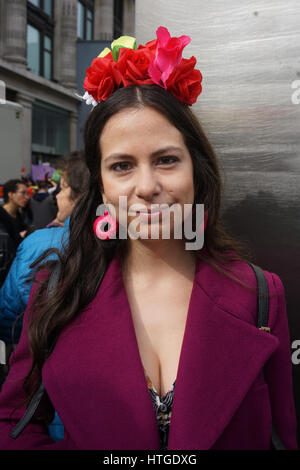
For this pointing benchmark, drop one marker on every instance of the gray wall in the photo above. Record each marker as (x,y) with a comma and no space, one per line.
(11,117)
(248,53)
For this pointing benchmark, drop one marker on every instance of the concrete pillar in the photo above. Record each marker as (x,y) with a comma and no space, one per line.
(2,26)
(68,35)
(73,131)
(15,32)
(26,100)
(104,20)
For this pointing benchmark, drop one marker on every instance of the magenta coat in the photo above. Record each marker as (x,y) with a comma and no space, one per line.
(96,382)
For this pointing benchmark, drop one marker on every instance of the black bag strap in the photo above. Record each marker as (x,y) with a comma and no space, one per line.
(262,324)
(37,397)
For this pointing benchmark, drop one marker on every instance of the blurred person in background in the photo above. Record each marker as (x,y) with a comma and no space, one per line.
(43,206)
(13,227)
(15,291)
(53,182)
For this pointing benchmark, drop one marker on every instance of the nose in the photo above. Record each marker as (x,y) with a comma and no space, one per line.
(147,183)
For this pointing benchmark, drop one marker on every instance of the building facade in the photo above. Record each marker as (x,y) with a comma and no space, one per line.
(38,50)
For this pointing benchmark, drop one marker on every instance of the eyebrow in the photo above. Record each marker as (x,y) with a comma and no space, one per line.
(123,156)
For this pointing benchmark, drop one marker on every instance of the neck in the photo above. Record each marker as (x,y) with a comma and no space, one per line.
(11,208)
(158,258)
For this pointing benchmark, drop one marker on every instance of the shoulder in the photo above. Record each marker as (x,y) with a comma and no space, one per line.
(235,289)
(5,218)
(49,236)
(34,245)
(3,228)
(3,213)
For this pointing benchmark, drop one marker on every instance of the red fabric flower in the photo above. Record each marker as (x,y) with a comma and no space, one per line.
(102,78)
(168,55)
(133,65)
(152,45)
(185,81)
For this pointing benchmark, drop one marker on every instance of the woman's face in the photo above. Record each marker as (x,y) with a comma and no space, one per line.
(64,201)
(20,197)
(144,157)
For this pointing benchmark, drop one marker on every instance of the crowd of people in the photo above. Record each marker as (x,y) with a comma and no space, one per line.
(29,206)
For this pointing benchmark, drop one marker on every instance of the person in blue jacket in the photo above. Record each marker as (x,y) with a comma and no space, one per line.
(15,291)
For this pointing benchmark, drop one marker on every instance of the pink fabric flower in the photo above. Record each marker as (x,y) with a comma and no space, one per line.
(168,56)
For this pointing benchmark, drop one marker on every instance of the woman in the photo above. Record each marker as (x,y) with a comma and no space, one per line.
(144,344)
(12,226)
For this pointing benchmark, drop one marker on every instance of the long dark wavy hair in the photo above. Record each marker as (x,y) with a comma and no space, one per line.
(86,258)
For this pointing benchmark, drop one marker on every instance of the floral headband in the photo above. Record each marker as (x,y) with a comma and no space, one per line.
(158,62)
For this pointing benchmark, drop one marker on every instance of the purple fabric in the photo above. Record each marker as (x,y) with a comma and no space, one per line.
(96,382)
(39,171)
(53,224)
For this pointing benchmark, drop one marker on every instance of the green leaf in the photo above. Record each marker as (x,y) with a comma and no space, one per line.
(104,52)
(123,41)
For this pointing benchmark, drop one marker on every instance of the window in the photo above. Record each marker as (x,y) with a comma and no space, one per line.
(48,7)
(50,130)
(89,25)
(44,5)
(33,49)
(47,57)
(40,30)
(85,19)
(35,2)
(80,20)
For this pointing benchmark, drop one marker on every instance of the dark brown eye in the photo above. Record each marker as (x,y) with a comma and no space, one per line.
(121,166)
(167,160)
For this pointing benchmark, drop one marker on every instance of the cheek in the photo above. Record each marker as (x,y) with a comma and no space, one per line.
(182,189)
(188,185)
(113,188)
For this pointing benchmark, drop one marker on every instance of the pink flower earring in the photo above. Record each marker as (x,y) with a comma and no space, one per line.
(100,222)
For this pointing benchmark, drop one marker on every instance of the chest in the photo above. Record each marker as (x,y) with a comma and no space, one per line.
(159,318)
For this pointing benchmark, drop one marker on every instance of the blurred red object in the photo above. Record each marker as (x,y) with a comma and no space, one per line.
(30,191)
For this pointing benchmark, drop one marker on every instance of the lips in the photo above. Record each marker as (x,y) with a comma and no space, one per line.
(153,211)
(148,212)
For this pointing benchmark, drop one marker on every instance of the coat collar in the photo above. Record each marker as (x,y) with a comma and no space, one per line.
(220,358)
